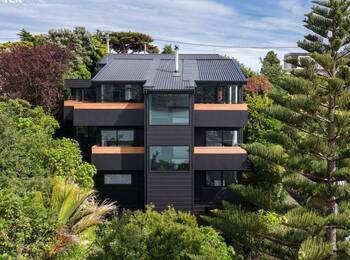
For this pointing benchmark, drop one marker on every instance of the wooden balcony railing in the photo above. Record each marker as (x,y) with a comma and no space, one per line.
(219,150)
(221,107)
(92,105)
(117,150)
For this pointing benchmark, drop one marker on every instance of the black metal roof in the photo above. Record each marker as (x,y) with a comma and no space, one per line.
(158,70)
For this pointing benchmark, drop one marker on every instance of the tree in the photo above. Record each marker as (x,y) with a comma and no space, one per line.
(45,222)
(271,68)
(126,42)
(77,213)
(28,149)
(260,123)
(166,235)
(248,73)
(168,49)
(34,74)
(257,85)
(313,107)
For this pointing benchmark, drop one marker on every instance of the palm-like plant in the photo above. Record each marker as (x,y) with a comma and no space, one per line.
(77,212)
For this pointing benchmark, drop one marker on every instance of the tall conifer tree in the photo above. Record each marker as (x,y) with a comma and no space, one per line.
(314,104)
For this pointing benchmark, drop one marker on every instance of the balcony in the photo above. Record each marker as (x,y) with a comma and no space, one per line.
(104,114)
(117,158)
(220,115)
(219,158)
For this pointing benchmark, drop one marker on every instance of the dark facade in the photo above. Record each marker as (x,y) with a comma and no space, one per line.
(161,129)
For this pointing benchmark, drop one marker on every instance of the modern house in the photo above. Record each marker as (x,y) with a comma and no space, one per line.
(161,129)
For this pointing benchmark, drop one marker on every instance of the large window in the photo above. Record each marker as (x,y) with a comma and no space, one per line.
(169,158)
(117,179)
(121,93)
(169,109)
(115,137)
(221,178)
(218,94)
(222,138)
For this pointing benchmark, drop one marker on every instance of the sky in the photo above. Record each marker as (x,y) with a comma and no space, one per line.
(242,23)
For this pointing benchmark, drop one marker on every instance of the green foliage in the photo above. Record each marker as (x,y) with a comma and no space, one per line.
(129,42)
(248,73)
(166,235)
(168,49)
(259,122)
(28,149)
(27,231)
(308,154)
(271,68)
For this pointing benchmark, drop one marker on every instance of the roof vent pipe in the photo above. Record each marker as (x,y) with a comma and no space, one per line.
(176,58)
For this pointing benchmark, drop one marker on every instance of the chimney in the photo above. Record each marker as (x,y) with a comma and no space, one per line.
(176,59)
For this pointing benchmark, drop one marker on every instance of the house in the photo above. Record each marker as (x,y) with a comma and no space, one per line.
(162,129)
(299,55)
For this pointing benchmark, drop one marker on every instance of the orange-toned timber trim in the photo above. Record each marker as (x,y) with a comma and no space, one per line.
(91,105)
(219,150)
(228,107)
(116,150)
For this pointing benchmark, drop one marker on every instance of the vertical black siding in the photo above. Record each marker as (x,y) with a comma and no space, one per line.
(169,188)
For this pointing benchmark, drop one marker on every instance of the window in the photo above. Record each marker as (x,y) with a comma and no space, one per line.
(222,138)
(121,93)
(122,179)
(125,137)
(82,132)
(117,137)
(108,138)
(221,178)
(169,158)
(218,94)
(169,109)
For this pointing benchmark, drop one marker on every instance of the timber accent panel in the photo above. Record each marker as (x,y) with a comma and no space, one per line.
(219,158)
(105,114)
(220,115)
(117,158)
(174,189)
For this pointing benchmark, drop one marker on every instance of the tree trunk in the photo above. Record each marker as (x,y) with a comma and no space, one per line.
(332,207)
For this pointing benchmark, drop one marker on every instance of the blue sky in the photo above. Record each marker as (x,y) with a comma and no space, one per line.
(246,23)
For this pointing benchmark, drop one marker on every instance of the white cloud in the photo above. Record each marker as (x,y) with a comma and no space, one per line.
(201,21)
(295,6)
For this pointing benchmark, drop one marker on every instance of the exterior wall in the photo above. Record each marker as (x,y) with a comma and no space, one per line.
(108,117)
(126,196)
(169,188)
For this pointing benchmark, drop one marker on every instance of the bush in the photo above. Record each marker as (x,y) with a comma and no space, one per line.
(167,235)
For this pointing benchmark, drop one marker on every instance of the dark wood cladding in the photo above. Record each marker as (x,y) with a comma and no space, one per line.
(220,118)
(126,196)
(174,189)
(108,117)
(219,162)
(117,162)
(169,135)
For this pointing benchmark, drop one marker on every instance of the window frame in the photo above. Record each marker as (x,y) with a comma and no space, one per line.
(149,109)
(168,171)
(118,184)
(117,136)
(221,135)
(222,172)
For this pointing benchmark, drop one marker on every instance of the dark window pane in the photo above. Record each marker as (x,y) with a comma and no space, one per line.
(217,94)
(230,138)
(230,177)
(169,109)
(169,158)
(108,138)
(125,137)
(214,138)
(82,132)
(213,178)
(121,93)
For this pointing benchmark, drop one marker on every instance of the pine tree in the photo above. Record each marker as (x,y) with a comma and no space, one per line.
(313,161)
(271,68)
